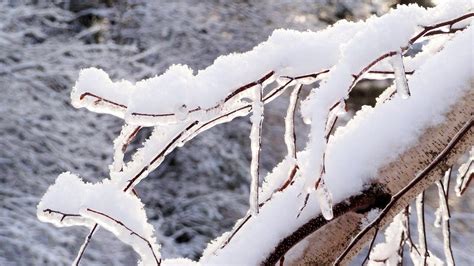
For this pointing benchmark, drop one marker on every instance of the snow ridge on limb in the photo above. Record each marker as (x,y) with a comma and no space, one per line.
(447,83)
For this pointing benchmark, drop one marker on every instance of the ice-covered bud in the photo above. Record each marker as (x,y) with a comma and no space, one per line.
(181,112)
(325,200)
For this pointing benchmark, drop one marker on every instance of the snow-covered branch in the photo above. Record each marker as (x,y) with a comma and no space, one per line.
(339,164)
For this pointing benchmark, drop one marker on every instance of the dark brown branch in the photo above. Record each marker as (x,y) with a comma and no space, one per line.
(467,183)
(408,230)
(85,244)
(157,260)
(100,99)
(86,240)
(439,32)
(64,215)
(400,247)
(248,86)
(427,29)
(131,137)
(244,221)
(370,65)
(371,245)
(370,198)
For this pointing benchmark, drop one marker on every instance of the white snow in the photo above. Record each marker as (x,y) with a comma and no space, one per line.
(178,102)
(98,83)
(103,203)
(386,253)
(435,86)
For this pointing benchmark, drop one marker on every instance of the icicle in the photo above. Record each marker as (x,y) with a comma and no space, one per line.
(443,193)
(120,143)
(401,82)
(338,110)
(420,211)
(255,138)
(290,140)
(464,171)
(181,112)
(325,200)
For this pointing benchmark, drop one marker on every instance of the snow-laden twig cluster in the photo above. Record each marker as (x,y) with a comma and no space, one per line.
(180,104)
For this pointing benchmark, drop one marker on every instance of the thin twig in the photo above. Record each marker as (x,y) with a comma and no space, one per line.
(371,245)
(420,211)
(84,245)
(132,232)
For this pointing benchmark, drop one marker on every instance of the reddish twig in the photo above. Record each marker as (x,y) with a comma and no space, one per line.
(100,99)
(161,154)
(84,245)
(157,260)
(427,29)
(64,215)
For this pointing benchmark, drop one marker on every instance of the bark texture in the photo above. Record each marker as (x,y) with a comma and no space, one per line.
(328,241)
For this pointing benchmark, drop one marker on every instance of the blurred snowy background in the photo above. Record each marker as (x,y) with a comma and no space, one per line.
(201,189)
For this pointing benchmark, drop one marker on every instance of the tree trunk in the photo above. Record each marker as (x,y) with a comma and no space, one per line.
(438,148)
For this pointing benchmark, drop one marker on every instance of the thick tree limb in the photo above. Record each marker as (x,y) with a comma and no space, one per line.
(331,238)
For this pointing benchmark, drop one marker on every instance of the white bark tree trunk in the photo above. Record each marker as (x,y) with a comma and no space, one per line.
(437,149)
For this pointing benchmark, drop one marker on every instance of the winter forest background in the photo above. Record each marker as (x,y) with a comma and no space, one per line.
(202,188)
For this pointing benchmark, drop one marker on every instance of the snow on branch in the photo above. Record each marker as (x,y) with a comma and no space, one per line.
(180,104)
(71,202)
